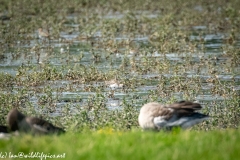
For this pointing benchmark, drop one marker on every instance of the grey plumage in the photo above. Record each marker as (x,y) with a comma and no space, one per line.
(180,114)
(18,121)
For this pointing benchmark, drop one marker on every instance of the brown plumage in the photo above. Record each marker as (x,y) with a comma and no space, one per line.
(18,121)
(180,114)
(42,34)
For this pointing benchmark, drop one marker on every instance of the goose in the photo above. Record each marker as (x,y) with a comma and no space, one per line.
(18,121)
(155,116)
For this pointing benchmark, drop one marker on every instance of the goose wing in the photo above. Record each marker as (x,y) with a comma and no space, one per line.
(182,114)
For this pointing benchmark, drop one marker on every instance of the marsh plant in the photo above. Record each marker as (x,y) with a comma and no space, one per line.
(161,51)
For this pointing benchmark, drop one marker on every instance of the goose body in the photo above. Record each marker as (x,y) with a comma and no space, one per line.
(182,114)
(18,121)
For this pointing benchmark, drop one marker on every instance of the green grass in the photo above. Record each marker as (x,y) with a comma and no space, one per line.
(168,27)
(107,144)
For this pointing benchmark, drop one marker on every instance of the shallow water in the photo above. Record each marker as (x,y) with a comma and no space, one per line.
(78,53)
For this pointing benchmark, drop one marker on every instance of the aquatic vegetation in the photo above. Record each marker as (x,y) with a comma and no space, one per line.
(162,51)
